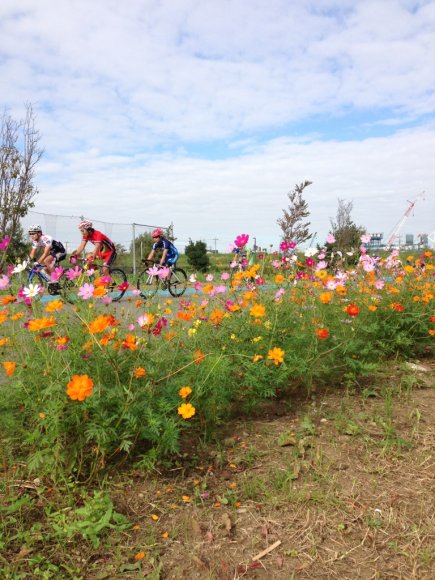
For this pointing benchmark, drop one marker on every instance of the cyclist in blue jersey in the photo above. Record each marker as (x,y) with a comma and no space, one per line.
(170,253)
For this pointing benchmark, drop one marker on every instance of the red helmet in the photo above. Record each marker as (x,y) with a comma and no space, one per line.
(157,233)
(85,225)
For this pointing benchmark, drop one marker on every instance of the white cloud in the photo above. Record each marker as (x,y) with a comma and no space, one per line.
(207,112)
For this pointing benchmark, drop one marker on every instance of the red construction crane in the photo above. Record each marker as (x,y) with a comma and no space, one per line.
(395,233)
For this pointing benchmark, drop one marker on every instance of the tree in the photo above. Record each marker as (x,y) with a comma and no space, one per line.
(346,233)
(292,224)
(19,154)
(197,255)
(142,246)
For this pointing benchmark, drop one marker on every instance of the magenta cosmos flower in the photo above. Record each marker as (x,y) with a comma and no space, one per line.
(241,240)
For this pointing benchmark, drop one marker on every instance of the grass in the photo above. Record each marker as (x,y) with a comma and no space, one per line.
(341,480)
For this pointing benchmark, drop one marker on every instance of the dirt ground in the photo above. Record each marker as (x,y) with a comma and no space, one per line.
(337,486)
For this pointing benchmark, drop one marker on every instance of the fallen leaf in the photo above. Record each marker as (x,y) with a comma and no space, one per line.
(228,524)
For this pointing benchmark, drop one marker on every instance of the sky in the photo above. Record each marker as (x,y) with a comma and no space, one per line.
(207,113)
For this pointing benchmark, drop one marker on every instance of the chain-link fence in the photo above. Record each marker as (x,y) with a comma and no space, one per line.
(64,228)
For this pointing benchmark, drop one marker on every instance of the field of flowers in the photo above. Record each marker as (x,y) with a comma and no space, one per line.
(85,387)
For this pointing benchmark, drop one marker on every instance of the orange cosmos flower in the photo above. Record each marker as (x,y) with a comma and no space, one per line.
(352,310)
(99,291)
(325,297)
(258,311)
(16,316)
(207,288)
(100,323)
(186,410)
(106,338)
(139,556)
(198,356)
(7,299)
(41,323)
(130,342)
(62,340)
(279,278)
(322,333)
(256,358)
(9,367)
(184,392)
(54,306)
(139,372)
(80,387)
(3,316)
(432,331)
(216,316)
(276,355)
(4,341)
(397,306)
(372,308)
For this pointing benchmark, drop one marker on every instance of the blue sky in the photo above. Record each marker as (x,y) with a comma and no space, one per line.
(206,114)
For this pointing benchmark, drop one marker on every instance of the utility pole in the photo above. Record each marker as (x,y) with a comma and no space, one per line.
(215,240)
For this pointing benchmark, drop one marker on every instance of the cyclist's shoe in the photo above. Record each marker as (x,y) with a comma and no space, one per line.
(53,288)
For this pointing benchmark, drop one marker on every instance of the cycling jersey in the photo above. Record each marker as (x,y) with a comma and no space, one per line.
(45,241)
(95,236)
(107,250)
(164,244)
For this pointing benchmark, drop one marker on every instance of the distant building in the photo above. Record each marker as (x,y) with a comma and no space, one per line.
(375,241)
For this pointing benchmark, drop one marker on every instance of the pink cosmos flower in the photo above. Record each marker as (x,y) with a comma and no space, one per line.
(241,240)
(164,273)
(365,238)
(198,286)
(276,264)
(279,294)
(5,243)
(330,239)
(4,282)
(105,279)
(56,274)
(321,265)
(131,327)
(379,284)
(209,277)
(73,273)
(106,299)
(225,276)
(310,263)
(260,281)
(86,291)
(61,347)
(230,248)
(192,278)
(154,271)
(123,286)
(145,320)
(135,292)
(233,264)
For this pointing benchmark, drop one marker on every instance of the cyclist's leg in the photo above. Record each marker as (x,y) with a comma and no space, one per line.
(108,260)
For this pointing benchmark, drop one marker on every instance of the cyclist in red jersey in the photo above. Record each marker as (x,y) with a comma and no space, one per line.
(104,248)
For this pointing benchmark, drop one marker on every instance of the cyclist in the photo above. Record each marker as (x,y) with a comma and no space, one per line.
(52,251)
(170,253)
(104,248)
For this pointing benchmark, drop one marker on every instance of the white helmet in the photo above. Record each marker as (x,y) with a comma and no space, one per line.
(35,229)
(85,225)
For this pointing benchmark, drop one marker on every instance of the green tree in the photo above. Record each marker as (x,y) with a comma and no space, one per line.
(347,234)
(19,154)
(292,224)
(197,256)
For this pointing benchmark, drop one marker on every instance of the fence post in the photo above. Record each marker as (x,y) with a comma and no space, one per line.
(134,250)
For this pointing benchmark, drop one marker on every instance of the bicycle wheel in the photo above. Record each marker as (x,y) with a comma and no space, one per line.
(148,285)
(118,285)
(68,289)
(177,282)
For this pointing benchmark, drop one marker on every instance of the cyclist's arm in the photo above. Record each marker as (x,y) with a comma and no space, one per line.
(151,255)
(79,249)
(32,253)
(97,249)
(44,254)
(163,258)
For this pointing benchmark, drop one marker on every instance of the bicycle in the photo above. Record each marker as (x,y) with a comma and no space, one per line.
(149,283)
(37,271)
(116,284)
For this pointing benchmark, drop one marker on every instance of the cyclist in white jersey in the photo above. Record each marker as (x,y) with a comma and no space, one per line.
(52,250)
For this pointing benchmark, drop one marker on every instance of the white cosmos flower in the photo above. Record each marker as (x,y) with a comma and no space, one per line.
(310,252)
(19,268)
(31,290)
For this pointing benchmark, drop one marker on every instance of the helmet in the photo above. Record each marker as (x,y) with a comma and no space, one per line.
(35,229)
(157,233)
(85,225)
